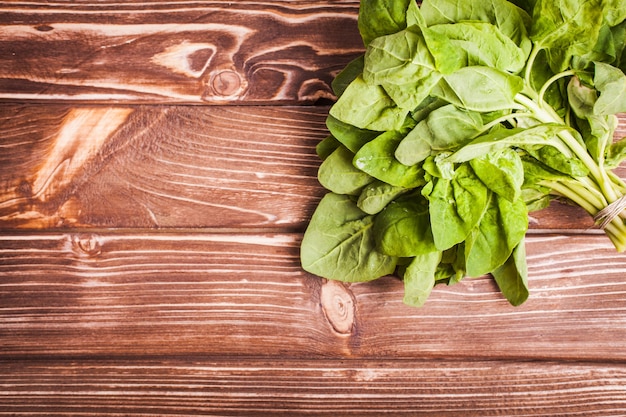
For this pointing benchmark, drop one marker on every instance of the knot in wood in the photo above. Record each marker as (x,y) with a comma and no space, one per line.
(226,83)
(339,306)
(87,244)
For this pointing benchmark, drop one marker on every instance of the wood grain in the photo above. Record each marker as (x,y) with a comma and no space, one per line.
(175,52)
(173,167)
(183,294)
(165,167)
(157,170)
(192,386)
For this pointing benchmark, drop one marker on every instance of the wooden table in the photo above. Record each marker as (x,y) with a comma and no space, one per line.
(157,170)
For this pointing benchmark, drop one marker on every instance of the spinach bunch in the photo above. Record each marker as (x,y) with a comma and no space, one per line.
(460,118)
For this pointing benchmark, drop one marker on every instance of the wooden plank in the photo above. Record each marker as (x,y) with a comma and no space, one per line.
(173,166)
(324,388)
(161,167)
(138,295)
(175,52)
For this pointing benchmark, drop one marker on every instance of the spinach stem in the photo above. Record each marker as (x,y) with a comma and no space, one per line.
(501,119)
(549,116)
(530,62)
(615,230)
(547,84)
(574,195)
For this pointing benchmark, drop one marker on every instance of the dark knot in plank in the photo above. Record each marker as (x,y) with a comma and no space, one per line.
(339,306)
(226,83)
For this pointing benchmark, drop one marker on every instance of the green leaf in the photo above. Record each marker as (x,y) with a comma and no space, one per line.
(412,94)
(338,243)
(414,16)
(350,136)
(368,106)
(616,154)
(419,278)
(376,195)
(403,228)
(447,55)
(444,129)
(512,276)
(566,28)
(377,159)
(603,51)
(536,171)
(619,41)
(456,207)
(338,174)
(437,166)
(581,98)
(512,21)
(611,83)
(501,229)
(477,44)
(502,172)
(553,158)
(497,139)
(399,58)
(381,17)
(327,146)
(480,89)
(536,198)
(347,75)
(614,11)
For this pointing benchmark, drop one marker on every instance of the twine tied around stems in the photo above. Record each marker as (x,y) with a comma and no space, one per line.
(607,214)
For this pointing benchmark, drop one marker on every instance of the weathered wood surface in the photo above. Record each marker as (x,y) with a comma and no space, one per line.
(175,52)
(245,295)
(168,167)
(326,388)
(149,249)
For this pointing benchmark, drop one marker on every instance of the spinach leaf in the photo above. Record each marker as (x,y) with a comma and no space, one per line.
(481,89)
(512,276)
(368,106)
(339,244)
(501,171)
(347,75)
(566,28)
(611,84)
(553,158)
(543,134)
(350,136)
(512,21)
(419,278)
(327,146)
(380,17)
(377,159)
(412,94)
(479,43)
(456,206)
(616,153)
(399,58)
(500,230)
(338,174)
(376,195)
(403,228)
(444,129)
(614,11)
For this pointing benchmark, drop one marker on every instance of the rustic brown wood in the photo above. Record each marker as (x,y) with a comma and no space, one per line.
(164,167)
(195,386)
(161,167)
(149,249)
(175,52)
(199,294)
